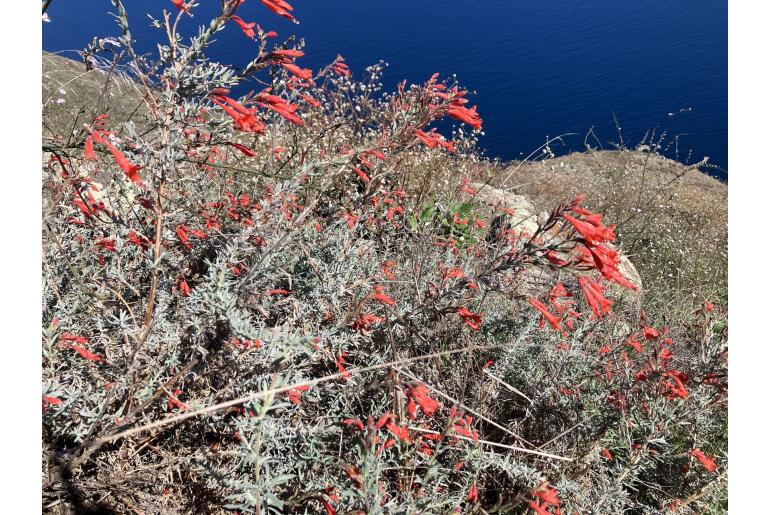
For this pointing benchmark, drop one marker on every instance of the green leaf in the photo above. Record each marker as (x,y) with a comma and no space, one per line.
(427,213)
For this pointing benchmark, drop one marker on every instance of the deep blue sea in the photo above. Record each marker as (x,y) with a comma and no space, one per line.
(540,68)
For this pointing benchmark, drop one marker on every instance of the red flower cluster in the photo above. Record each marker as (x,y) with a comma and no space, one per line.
(387,269)
(339,67)
(432,139)
(280,7)
(594,293)
(706,461)
(339,361)
(247,28)
(285,58)
(379,295)
(595,236)
(82,351)
(295,394)
(472,320)
(552,319)
(562,302)
(365,323)
(245,119)
(671,381)
(545,498)
(461,424)
(418,395)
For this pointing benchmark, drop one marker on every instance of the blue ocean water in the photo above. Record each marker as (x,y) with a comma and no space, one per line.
(540,68)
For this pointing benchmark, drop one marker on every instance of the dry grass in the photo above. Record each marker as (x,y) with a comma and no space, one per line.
(73,95)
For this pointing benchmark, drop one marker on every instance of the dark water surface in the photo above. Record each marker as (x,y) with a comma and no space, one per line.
(540,67)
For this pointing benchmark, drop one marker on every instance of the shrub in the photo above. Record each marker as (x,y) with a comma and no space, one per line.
(291,303)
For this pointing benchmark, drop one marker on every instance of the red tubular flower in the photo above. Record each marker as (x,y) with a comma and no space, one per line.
(247,28)
(677,389)
(351,219)
(549,496)
(181,233)
(184,289)
(706,461)
(594,293)
(384,419)
(636,344)
(387,269)
(465,188)
(302,73)
(393,212)
(361,174)
(50,400)
(465,115)
(174,402)
(106,244)
(432,139)
(340,362)
(244,119)
(554,258)
(280,106)
(69,337)
(428,405)
(89,149)
(427,139)
(365,323)
(138,240)
(457,220)
(411,409)
(402,433)
(379,295)
(553,320)
(452,273)
(473,493)
(606,261)
(328,507)
(123,162)
(286,53)
(650,333)
(340,68)
(180,5)
(310,100)
(244,150)
(84,353)
(280,7)
(594,234)
(354,422)
(472,320)
(295,394)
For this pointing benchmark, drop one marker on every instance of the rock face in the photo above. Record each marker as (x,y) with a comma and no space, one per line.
(525,217)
